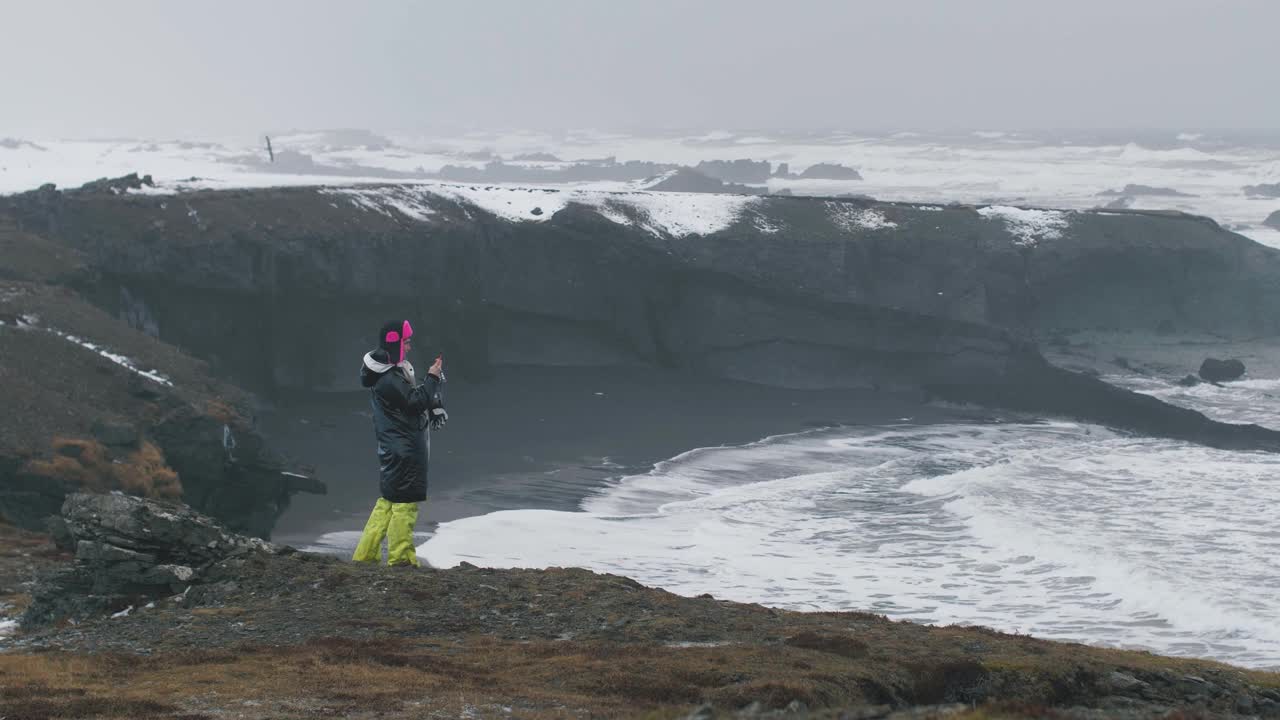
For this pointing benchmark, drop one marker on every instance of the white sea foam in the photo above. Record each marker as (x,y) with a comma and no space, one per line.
(1059,530)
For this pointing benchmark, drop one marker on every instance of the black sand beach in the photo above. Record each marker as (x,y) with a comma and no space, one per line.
(546,437)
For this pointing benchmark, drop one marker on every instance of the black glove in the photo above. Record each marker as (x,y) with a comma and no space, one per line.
(438,418)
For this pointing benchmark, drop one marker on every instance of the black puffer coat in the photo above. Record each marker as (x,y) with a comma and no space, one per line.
(400,412)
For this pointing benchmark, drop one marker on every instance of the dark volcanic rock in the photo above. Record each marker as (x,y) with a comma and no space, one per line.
(283,288)
(536,157)
(830,171)
(77,419)
(130,550)
(1263,190)
(1134,190)
(118,185)
(735,171)
(581,171)
(1190,381)
(1215,370)
(116,433)
(687,180)
(16,144)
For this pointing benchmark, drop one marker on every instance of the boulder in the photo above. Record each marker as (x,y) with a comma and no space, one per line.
(130,550)
(1264,190)
(1215,370)
(119,185)
(1190,381)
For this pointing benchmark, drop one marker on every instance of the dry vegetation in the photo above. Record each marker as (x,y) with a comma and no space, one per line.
(87,464)
(301,635)
(477,676)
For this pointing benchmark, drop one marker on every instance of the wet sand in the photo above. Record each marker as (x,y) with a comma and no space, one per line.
(546,437)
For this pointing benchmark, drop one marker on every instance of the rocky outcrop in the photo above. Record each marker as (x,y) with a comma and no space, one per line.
(93,403)
(830,171)
(1215,370)
(257,617)
(686,180)
(1132,190)
(115,186)
(819,171)
(130,551)
(1273,220)
(753,172)
(536,157)
(1263,190)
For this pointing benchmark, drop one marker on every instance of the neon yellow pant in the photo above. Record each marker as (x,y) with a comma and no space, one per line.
(393,521)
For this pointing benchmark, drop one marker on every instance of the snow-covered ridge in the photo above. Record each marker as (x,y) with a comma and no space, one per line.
(659,213)
(992,167)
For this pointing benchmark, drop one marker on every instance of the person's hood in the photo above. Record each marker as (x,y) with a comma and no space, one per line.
(374,367)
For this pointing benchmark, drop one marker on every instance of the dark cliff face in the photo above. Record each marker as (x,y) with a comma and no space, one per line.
(280,288)
(92,404)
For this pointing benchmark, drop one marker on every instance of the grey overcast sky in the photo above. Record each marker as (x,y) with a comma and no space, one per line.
(170,68)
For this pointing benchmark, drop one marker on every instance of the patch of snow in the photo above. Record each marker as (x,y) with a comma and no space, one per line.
(929,208)
(612,213)
(294,474)
(1028,226)
(123,613)
(408,200)
(849,217)
(7,627)
(684,214)
(507,202)
(362,198)
(764,224)
(121,360)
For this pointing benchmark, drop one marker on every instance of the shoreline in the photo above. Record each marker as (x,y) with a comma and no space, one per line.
(546,438)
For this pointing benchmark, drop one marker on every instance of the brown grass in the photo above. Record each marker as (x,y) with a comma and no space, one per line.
(410,679)
(87,464)
(402,678)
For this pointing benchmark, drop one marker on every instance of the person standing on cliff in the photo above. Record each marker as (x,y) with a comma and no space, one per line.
(404,412)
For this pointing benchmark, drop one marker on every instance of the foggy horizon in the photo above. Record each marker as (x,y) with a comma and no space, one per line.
(150,69)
